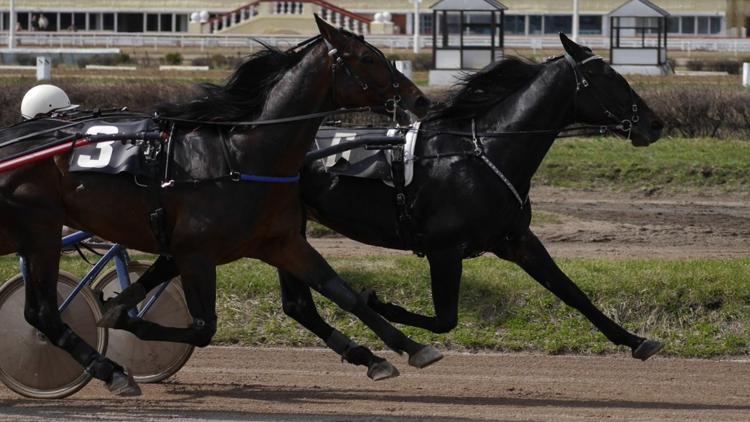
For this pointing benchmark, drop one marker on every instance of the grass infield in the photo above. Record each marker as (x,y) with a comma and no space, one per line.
(699,308)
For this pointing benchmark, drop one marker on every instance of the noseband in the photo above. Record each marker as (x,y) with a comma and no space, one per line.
(622,124)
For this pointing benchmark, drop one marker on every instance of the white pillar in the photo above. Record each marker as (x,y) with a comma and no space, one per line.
(12,24)
(746,74)
(576,13)
(416,26)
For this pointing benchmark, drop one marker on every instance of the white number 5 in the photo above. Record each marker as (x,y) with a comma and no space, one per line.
(105,149)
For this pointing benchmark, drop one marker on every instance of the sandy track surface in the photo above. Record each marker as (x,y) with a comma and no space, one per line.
(231,383)
(622,226)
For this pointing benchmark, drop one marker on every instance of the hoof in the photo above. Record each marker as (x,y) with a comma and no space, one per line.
(426,356)
(111,317)
(647,349)
(382,371)
(123,385)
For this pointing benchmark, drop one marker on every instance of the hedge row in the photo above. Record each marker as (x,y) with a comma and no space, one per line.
(689,111)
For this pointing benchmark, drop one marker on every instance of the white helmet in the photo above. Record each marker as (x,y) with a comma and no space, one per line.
(42,99)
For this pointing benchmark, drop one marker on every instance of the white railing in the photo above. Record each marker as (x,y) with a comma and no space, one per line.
(329,12)
(103,39)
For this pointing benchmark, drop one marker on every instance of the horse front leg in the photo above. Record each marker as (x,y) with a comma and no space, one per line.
(294,255)
(528,252)
(199,286)
(41,262)
(299,305)
(445,274)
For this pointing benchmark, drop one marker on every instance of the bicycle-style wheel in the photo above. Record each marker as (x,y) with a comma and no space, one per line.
(149,361)
(29,364)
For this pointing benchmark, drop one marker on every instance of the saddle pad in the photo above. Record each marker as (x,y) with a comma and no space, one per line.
(110,157)
(358,162)
(363,163)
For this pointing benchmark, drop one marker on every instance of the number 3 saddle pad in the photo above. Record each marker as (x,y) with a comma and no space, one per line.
(111,157)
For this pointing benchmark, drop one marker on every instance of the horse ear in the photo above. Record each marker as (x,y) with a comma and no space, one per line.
(331,34)
(576,51)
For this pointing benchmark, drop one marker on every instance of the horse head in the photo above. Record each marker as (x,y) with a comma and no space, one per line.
(604,97)
(364,76)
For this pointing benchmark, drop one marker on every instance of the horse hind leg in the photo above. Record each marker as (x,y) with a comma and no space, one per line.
(199,286)
(299,305)
(41,259)
(297,257)
(116,308)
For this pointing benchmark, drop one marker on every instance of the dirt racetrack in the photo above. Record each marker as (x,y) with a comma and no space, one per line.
(583,224)
(229,383)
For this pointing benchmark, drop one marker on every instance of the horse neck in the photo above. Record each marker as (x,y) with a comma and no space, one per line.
(304,89)
(546,104)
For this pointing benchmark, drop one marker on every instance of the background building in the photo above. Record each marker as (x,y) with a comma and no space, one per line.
(701,18)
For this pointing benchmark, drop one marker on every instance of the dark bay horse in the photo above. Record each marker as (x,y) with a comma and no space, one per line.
(212,214)
(469,192)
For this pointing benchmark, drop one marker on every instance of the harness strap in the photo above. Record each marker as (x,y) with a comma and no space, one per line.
(479,152)
(404,220)
(310,116)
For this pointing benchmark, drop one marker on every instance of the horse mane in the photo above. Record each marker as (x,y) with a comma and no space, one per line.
(476,93)
(245,91)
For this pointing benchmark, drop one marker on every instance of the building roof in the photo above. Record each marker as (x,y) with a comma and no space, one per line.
(639,9)
(488,5)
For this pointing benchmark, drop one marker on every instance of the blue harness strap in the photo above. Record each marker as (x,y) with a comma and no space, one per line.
(267,179)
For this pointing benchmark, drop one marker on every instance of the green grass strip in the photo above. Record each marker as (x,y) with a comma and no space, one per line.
(699,308)
(669,164)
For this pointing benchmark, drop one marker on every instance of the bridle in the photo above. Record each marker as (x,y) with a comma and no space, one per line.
(391,104)
(622,124)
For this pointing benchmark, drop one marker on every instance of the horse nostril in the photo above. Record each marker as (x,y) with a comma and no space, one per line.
(657,124)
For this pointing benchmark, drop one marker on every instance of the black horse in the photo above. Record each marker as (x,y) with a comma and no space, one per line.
(473,167)
(219,207)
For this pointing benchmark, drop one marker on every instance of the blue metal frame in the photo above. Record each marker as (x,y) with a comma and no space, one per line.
(116,253)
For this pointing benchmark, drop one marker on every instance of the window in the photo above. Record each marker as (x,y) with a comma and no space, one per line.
(673,25)
(23,21)
(79,21)
(66,21)
(703,24)
(166,22)
(425,24)
(535,25)
(514,24)
(152,22)
(181,23)
(130,22)
(554,24)
(590,25)
(108,21)
(688,25)
(478,24)
(715,25)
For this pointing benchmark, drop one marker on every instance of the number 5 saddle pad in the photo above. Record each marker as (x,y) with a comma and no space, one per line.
(361,162)
(111,157)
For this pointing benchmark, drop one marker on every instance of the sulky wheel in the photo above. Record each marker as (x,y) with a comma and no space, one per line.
(149,361)
(29,364)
